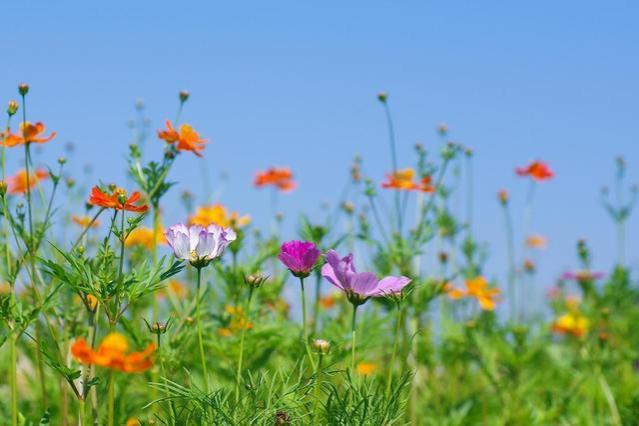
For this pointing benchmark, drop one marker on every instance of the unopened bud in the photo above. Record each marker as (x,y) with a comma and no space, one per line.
(382,97)
(3,188)
(321,346)
(12,108)
(184,96)
(503,196)
(348,207)
(255,280)
(23,88)
(62,161)
(442,129)
(70,182)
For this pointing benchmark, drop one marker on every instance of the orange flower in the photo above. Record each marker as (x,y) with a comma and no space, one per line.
(218,215)
(329,301)
(187,138)
(478,289)
(118,200)
(403,180)
(236,322)
(537,170)
(29,133)
(143,236)
(536,241)
(366,368)
(85,221)
(112,353)
(280,177)
(17,184)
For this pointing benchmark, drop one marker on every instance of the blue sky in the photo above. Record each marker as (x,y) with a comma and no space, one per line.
(294,83)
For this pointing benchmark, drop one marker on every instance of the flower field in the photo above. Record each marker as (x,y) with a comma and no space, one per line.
(380,313)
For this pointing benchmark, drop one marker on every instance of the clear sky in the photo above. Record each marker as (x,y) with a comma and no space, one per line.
(294,83)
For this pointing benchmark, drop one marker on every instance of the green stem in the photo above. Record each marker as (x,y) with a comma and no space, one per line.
(239,361)
(318,372)
(199,331)
(511,264)
(304,332)
(111,400)
(389,379)
(353,338)
(13,380)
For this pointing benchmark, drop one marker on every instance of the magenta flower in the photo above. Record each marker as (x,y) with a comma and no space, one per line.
(583,275)
(359,286)
(198,244)
(299,257)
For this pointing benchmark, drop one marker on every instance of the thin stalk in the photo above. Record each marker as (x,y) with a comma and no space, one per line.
(318,372)
(511,263)
(111,400)
(393,150)
(13,380)
(353,337)
(318,295)
(238,376)
(389,379)
(199,330)
(304,332)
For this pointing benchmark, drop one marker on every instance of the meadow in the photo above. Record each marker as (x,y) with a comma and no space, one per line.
(111,316)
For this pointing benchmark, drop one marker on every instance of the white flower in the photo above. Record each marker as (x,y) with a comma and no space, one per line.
(197,244)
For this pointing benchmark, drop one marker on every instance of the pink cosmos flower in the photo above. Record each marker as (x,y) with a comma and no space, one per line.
(359,286)
(583,275)
(198,244)
(299,257)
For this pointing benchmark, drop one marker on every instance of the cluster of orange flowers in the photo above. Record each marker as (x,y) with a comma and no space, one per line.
(112,353)
(237,321)
(478,289)
(186,139)
(403,180)
(280,177)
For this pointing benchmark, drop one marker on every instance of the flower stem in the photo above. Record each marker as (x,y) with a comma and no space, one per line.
(239,361)
(316,388)
(13,380)
(199,331)
(353,337)
(389,380)
(305,333)
(111,400)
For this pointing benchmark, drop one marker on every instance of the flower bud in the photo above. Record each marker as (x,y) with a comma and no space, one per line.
(348,207)
(503,196)
(282,418)
(321,346)
(62,161)
(255,280)
(12,108)
(442,129)
(382,97)
(23,88)
(139,104)
(184,96)
(3,188)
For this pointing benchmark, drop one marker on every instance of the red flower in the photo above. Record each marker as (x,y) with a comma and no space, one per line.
(281,177)
(118,200)
(536,170)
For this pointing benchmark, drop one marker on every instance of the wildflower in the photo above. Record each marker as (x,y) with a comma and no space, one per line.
(178,288)
(197,244)
(478,289)
(581,276)
(328,301)
(143,236)
(17,184)
(359,286)
(299,257)
(321,346)
(133,422)
(236,321)
(426,184)
(186,139)
(401,180)
(91,302)
(218,215)
(502,195)
(537,170)
(280,177)
(529,266)
(572,323)
(536,241)
(29,133)
(85,221)
(117,200)
(366,368)
(112,353)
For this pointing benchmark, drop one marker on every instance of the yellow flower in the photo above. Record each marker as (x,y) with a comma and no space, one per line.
(236,320)
(92,302)
(572,323)
(133,422)
(536,241)
(143,236)
(366,368)
(218,215)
